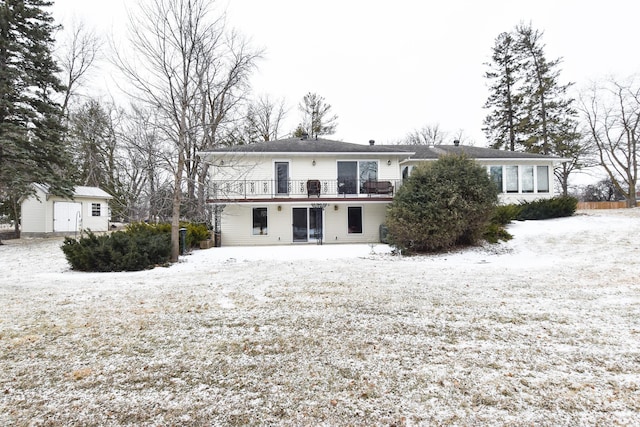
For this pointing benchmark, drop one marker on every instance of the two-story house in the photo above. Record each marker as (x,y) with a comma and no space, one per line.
(302,190)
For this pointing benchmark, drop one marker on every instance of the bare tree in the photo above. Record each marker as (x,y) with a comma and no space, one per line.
(580,152)
(263,119)
(427,135)
(226,62)
(77,54)
(176,67)
(612,112)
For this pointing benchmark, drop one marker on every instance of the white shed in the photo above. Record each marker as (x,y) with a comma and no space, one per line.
(46,214)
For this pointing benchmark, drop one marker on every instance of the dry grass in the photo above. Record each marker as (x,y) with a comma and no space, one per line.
(376,340)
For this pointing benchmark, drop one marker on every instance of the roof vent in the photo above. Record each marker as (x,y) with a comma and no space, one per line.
(456,142)
(372,142)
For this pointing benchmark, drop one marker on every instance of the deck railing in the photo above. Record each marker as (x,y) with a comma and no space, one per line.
(258,189)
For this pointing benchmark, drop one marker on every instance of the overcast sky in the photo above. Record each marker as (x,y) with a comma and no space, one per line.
(389,67)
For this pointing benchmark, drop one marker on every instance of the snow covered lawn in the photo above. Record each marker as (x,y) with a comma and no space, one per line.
(542,330)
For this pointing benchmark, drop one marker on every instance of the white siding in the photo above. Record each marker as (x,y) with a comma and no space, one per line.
(236,224)
(35,215)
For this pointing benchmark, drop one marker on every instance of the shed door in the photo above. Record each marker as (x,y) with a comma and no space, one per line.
(67,216)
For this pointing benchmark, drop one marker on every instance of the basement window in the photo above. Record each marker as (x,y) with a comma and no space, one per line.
(354,219)
(259,221)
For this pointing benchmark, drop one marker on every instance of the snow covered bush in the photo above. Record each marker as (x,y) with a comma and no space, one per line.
(442,204)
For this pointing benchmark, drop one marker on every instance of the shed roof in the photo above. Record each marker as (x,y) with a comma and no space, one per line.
(80,191)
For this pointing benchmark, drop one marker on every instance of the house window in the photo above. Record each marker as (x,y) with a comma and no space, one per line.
(95,209)
(511,177)
(347,177)
(259,221)
(352,175)
(543,179)
(368,172)
(495,172)
(282,177)
(527,179)
(354,220)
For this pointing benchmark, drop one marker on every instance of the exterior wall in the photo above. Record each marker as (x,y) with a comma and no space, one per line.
(237,230)
(94,223)
(36,215)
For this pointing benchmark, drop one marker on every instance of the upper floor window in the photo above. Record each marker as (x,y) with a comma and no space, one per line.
(282,177)
(353,174)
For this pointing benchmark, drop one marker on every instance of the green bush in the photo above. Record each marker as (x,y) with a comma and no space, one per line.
(504,214)
(442,204)
(495,233)
(539,209)
(555,207)
(137,248)
(195,232)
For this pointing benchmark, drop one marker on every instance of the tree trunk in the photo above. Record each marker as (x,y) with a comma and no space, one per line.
(175,212)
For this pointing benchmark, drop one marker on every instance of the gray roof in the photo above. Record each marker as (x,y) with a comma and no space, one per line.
(309,145)
(417,152)
(434,152)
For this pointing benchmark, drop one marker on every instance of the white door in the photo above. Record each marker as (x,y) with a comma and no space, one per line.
(67,216)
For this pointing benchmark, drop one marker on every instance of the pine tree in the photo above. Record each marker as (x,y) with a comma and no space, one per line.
(316,117)
(502,125)
(550,117)
(32,146)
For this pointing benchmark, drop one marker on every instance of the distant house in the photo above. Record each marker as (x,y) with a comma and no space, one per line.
(45,214)
(301,190)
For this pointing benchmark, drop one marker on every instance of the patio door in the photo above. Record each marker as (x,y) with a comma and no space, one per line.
(307,224)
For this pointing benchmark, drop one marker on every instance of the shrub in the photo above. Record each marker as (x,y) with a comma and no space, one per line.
(441,205)
(555,207)
(504,214)
(494,233)
(195,232)
(137,248)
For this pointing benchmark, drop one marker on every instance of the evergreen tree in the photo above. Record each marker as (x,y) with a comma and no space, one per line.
(32,147)
(550,117)
(316,117)
(502,125)
(443,204)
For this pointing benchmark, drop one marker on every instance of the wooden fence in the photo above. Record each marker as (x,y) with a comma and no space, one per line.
(602,205)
